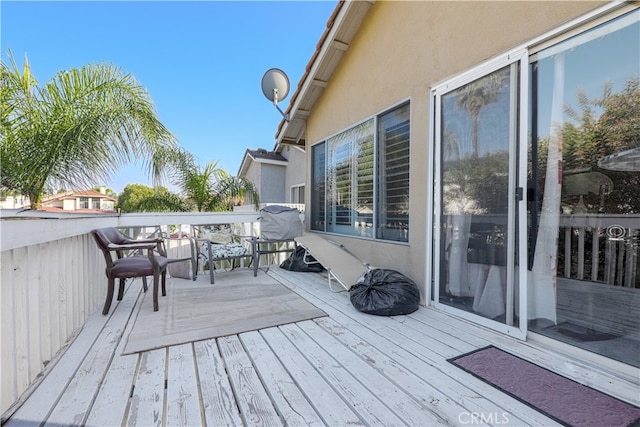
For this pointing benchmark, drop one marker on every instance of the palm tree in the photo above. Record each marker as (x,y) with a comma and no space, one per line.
(75,130)
(210,188)
(233,191)
(476,95)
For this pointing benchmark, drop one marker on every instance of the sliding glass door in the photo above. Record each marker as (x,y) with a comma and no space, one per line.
(584,238)
(478,197)
(536,201)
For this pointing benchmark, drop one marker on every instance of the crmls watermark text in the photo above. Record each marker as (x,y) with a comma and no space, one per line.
(494,418)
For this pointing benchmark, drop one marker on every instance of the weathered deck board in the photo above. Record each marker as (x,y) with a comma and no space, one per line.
(402,404)
(289,401)
(183,396)
(86,382)
(345,369)
(112,400)
(147,400)
(365,402)
(327,402)
(218,403)
(255,406)
(428,393)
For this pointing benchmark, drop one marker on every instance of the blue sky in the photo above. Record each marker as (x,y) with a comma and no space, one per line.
(201,61)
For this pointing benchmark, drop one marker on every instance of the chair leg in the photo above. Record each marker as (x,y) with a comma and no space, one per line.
(155,291)
(164,283)
(256,261)
(144,284)
(121,290)
(210,261)
(107,302)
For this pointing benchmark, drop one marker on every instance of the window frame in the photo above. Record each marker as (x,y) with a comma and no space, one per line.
(324,145)
(518,57)
(297,190)
(384,176)
(84,202)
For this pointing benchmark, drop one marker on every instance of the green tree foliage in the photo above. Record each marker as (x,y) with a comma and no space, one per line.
(75,130)
(141,198)
(606,125)
(108,191)
(233,191)
(210,188)
(203,189)
(131,197)
(478,186)
(474,96)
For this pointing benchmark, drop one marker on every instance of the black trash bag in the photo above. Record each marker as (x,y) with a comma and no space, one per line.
(385,293)
(296,262)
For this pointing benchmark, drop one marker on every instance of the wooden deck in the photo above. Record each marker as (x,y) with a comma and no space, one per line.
(345,369)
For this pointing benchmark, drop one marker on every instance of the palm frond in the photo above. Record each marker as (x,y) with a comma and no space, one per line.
(77,129)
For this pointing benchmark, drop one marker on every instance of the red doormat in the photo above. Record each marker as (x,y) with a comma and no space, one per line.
(560,398)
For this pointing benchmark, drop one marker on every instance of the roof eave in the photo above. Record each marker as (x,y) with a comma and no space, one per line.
(244,165)
(334,42)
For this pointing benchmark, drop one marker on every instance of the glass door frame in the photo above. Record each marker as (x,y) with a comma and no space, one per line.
(516,193)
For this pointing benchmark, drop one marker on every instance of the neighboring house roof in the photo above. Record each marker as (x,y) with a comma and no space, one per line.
(51,203)
(341,27)
(58,209)
(73,194)
(260,156)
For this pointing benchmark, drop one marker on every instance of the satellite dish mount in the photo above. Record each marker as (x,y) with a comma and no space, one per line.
(275,87)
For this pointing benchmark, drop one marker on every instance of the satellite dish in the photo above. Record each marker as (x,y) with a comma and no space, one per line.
(275,87)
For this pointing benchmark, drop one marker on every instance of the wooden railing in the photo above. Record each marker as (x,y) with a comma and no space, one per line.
(600,248)
(52,278)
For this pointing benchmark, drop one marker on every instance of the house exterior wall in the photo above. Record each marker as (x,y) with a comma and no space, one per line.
(106,204)
(401,50)
(253,175)
(295,170)
(14,202)
(69,205)
(272,178)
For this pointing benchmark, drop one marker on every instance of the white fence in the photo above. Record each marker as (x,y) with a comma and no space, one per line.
(601,248)
(51,279)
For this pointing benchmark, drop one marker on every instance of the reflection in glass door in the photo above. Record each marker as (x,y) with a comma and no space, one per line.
(584,237)
(475,212)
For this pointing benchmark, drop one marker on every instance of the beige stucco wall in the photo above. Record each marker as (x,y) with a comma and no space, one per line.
(400,51)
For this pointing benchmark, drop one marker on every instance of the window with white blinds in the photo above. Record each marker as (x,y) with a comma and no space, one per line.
(360,179)
(318,186)
(340,170)
(393,175)
(350,177)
